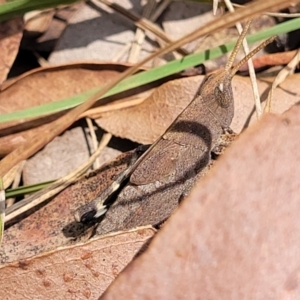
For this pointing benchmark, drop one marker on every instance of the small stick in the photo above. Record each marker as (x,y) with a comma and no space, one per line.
(281,76)
(54,188)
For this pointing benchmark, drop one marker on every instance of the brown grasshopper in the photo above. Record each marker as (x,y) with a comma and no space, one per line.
(171,166)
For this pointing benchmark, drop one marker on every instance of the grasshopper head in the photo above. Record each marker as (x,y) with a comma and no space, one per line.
(216,93)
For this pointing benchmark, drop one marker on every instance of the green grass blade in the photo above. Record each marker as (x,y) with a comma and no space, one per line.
(24,190)
(19,7)
(149,76)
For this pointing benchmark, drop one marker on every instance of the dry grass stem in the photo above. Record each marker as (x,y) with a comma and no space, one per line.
(143,23)
(96,112)
(275,14)
(91,127)
(281,76)
(16,182)
(54,188)
(140,34)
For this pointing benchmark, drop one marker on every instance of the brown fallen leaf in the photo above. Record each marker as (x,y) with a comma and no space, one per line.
(11,33)
(78,272)
(47,41)
(38,22)
(274,59)
(237,236)
(49,84)
(147,121)
(53,225)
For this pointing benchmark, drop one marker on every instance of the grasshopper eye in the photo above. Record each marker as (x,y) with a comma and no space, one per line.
(221,96)
(221,87)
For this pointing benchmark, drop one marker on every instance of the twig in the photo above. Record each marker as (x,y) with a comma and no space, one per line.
(54,188)
(281,76)
(96,164)
(16,182)
(97,111)
(279,15)
(142,23)
(140,34)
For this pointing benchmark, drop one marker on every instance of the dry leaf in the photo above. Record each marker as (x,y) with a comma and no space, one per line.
(11,33)
(79,272)
(47,41)
(48,84)
(274,59)
(285,96)
(53,225)
(237,236)
(45,85)
(37,22)
(146,122)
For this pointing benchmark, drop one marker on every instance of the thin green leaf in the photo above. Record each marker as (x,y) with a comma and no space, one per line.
(19,7)
(24,190)
(149,76)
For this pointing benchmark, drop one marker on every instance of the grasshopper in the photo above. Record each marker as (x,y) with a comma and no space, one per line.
(168,170)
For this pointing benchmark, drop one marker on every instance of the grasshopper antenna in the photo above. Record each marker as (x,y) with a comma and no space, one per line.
(249,55)
(237,47)
(252,53)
